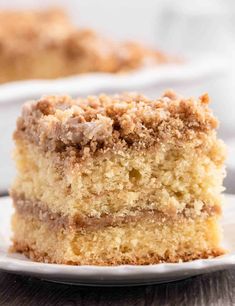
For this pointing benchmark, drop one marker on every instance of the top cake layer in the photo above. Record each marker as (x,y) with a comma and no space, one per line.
(127,120)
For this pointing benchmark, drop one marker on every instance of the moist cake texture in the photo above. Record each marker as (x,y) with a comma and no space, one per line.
(46,44)
(119,179)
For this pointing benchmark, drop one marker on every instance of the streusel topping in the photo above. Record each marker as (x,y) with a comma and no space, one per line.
(99,122)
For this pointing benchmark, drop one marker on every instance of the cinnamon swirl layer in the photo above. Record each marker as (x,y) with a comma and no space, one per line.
(39,211)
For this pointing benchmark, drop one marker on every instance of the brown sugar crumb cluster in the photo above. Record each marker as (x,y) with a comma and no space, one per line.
(99,122)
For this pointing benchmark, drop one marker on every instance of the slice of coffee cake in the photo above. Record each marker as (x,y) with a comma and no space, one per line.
(46,44)
(117,180)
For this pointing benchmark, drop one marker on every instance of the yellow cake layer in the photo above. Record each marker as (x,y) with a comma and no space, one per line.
(147,241)
(166,178)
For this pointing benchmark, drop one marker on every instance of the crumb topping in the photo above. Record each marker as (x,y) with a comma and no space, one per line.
(100,122)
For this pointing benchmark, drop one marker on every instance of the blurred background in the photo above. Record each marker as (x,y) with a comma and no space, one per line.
(189,29)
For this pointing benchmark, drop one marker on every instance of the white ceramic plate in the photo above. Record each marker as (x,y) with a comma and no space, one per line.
(125,275)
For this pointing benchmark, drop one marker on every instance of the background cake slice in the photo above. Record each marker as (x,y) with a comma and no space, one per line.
(117,180)
(46,44)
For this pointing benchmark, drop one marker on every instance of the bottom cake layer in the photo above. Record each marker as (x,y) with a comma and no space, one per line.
(147,241)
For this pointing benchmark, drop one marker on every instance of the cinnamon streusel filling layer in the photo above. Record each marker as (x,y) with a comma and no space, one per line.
(40,211)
